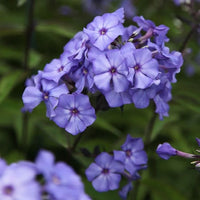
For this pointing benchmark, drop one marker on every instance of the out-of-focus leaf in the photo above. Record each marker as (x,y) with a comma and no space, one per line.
(188,102)
(160,124)
(4,68)
(35,59)
(11,30)
(163,190)
(8,82)
(11,54)
(57,29)
(15,156)
(56,134)
(101,123)
(21,2)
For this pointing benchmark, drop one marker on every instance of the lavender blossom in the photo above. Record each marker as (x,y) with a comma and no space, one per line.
(60,179)
(74,113)
(18,182)
(47,91)
(55,70)
(105,173)
(110,71)
(105,29)
(143,69)
(132,155)
(76,47)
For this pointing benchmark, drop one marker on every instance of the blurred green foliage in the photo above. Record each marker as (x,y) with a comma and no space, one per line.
(21,136)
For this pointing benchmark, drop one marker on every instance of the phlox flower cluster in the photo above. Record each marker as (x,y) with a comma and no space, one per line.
(107,170)
(41,180)
(124,64)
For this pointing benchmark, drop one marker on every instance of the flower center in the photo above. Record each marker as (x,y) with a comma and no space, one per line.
(136,67)
(128,153)
(45,95)
(113,70)
(60,69)
(8,190)
(105,171)
(74,111)
(103,31)
(55,180)
(85,71)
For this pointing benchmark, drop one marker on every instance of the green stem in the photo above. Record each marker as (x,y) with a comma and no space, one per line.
(187,38)
(29,34)
(147,141)
(77,140)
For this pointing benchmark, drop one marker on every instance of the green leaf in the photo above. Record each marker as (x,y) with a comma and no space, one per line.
(101,123)
(160,124)
(8,82)
(55,133)
(35,59)
(57,29)
(163,190)
(21,2)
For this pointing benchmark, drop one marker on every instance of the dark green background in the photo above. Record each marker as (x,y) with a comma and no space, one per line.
(22,136)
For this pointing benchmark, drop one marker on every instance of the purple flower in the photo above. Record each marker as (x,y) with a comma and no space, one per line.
(133,156)
(74,113)
(162,96)
(60,179)
(55,70)
(84,77)
(169,62)
(3,166)
(76,47)
(47,91)
(110,71)
(105,29)
(96,7)
(165,151)
(117,99)
(17,182)
(105,173)
(141,97)
(130,10)
(143,69)
(152,30)
(125,190)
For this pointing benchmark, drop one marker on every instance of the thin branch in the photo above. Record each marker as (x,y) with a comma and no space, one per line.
(187,38)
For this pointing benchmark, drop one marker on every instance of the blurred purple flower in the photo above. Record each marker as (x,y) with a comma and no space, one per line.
(18,182)
(64,10)
(60,179)
(96,7)
(129,8)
